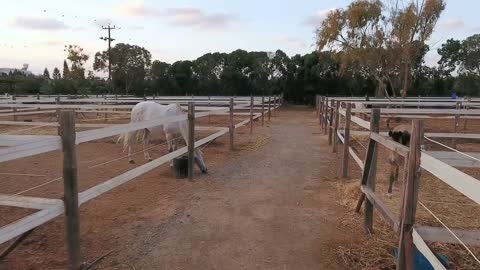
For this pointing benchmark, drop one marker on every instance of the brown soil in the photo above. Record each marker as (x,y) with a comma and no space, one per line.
(266,205)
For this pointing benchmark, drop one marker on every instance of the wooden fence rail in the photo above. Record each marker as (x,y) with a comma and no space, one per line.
(404,224)
(68,139)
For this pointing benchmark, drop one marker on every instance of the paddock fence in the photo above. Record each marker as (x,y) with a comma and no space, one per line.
(331,111)
(67,113)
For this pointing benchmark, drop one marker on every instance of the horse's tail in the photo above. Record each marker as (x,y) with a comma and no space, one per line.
(125,139)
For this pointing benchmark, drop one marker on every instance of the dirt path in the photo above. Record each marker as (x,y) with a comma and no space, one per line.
(266,209)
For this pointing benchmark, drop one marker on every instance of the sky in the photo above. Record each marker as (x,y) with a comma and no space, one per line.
(35,32)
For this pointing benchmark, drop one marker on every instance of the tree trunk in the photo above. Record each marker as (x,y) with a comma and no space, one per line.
(406,79)
(380,90)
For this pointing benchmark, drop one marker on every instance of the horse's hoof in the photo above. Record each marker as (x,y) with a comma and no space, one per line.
(204,171)
(389,195)
(150,159)
(131,161)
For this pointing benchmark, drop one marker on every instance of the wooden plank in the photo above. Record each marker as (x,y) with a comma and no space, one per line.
(14,114)
(29,149)
(389,216)
(410,198)
(442,235)
(269,110)
(27,223)
(337,119)
(457,160)
(191,139)
(346,142)
(14,140)
(251,114)
(263,110)
(352,152)
(325,119)
(361,122)
(96,134)
(369,178)
(106,186)
(70,188)
(390,144)
(330,123)
(231,125)
(460,181)
(425,250)
(28,202)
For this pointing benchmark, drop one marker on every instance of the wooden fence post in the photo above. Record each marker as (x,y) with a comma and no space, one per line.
(369,171)
(335,130)
(263,110)
(275,99)
(317,105)
(251,114)
(231,127)
(466,107)
(370,180)
(269,109)
(330,123)
(70,187)
(191,139)
(346,141)
(320,112)
(456,122)
(406,247)
(325,118)
(209,109)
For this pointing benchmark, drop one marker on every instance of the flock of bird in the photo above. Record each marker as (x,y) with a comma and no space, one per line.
(97,22)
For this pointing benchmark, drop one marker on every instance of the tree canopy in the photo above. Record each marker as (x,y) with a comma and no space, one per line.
(381,39)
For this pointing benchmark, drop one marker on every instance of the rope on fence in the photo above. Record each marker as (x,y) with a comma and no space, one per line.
(450,231)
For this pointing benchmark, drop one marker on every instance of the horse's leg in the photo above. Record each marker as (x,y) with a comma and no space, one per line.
(168,137)
(146,142)
(130,159)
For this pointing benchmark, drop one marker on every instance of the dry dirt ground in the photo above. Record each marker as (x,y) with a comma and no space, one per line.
(266,205)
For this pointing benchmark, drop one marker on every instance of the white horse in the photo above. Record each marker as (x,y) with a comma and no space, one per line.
(149,110)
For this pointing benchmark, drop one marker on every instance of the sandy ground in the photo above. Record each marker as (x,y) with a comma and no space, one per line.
(267,205)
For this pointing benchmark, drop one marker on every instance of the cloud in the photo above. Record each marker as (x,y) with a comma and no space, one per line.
(190,16)
(316,19)
(452,24)
(179,16)
(291,42)
(38,23)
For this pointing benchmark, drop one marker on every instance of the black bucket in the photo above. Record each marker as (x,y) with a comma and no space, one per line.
(180,166)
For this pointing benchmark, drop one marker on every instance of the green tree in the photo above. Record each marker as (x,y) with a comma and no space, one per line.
(77,58)
(380,41)
(56,74)
(46,74)
(66,70)
(160,77)
(463,56)
(130,66)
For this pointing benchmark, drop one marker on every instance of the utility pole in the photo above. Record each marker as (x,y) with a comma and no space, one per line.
(109,39)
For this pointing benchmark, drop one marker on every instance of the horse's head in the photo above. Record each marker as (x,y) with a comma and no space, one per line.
(199,160)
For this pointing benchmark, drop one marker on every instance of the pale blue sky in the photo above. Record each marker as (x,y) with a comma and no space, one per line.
(35,32)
